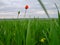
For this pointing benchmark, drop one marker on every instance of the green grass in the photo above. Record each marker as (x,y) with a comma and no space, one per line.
(29,32)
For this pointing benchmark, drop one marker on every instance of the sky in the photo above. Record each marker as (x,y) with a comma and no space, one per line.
(9,8)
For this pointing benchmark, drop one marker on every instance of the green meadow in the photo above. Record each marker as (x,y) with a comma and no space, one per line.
(29,31)
(35,31)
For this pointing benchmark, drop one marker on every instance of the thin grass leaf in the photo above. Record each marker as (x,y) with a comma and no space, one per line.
(41,3)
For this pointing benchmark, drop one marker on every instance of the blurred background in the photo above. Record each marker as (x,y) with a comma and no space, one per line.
(9,8)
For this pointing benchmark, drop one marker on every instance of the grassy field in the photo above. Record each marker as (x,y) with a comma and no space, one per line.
(29,32)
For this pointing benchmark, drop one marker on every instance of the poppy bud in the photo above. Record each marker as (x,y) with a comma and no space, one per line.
(18,14)
(26,7)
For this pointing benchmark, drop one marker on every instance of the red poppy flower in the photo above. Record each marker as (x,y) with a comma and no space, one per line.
(26,7)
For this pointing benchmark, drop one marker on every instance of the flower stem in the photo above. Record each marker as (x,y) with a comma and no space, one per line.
(18,16)
(25,12)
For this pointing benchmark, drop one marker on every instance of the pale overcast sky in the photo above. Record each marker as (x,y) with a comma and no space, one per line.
(9,8)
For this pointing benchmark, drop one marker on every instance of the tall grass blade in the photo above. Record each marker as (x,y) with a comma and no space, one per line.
(58,13)
(53,35)
(28,37)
